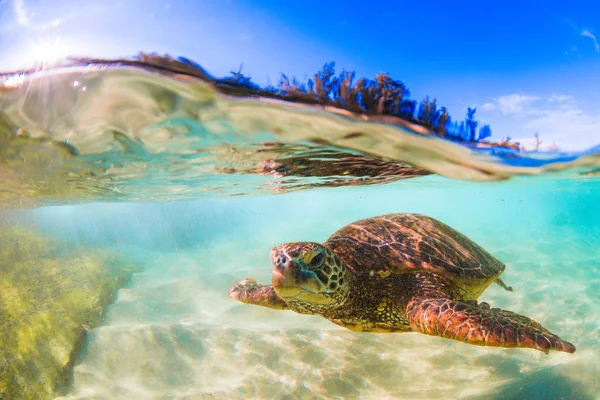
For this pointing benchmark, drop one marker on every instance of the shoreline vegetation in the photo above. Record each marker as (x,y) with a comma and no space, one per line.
(381,99)
(382,96)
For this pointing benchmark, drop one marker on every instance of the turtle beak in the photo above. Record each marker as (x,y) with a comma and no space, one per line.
(290,277)
(283,272)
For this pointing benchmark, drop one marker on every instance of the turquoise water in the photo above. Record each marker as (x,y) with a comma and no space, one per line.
(160,191)
(174,333)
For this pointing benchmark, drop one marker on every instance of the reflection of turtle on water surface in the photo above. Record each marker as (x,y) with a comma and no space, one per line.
(335,167)
(397,273)
(330,163)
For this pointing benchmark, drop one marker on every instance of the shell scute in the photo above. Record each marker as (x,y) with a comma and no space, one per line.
(400,243)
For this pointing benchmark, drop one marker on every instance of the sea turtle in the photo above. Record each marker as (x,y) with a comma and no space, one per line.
(397,273)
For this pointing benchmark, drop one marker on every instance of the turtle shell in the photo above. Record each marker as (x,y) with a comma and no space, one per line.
(401,243)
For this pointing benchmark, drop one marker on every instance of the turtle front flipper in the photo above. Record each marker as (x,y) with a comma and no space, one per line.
(251,292)
(480,325)
(503,285)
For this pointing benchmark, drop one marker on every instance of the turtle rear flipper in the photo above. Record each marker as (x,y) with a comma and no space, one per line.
(251,292)
(480,325)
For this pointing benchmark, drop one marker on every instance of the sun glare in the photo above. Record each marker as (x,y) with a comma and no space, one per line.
(45,52)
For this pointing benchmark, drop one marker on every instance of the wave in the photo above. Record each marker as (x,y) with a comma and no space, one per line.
(159,128)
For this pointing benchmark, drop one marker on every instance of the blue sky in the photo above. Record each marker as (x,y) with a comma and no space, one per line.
(527,66)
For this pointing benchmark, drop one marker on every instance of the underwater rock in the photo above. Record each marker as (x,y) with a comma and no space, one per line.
(49,297)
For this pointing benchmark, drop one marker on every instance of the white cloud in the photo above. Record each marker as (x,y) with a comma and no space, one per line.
(589,34)
(560,98)
(20,12)
(572,49)
(582,32)
(568,126)
(557,118)
(514,103)
(23,17)
(488,106)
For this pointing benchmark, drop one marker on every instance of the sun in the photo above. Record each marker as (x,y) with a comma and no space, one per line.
(46,52)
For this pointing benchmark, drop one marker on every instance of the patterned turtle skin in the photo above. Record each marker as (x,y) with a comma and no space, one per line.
(397,273)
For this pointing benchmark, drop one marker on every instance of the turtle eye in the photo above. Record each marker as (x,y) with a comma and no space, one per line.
(317,260)
(322,277)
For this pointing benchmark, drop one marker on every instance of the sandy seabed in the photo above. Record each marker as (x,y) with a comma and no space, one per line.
(173,333)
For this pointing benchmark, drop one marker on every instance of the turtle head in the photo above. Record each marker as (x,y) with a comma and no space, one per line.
(309,277)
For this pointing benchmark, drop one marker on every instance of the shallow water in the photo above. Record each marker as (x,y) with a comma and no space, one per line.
(174,333)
